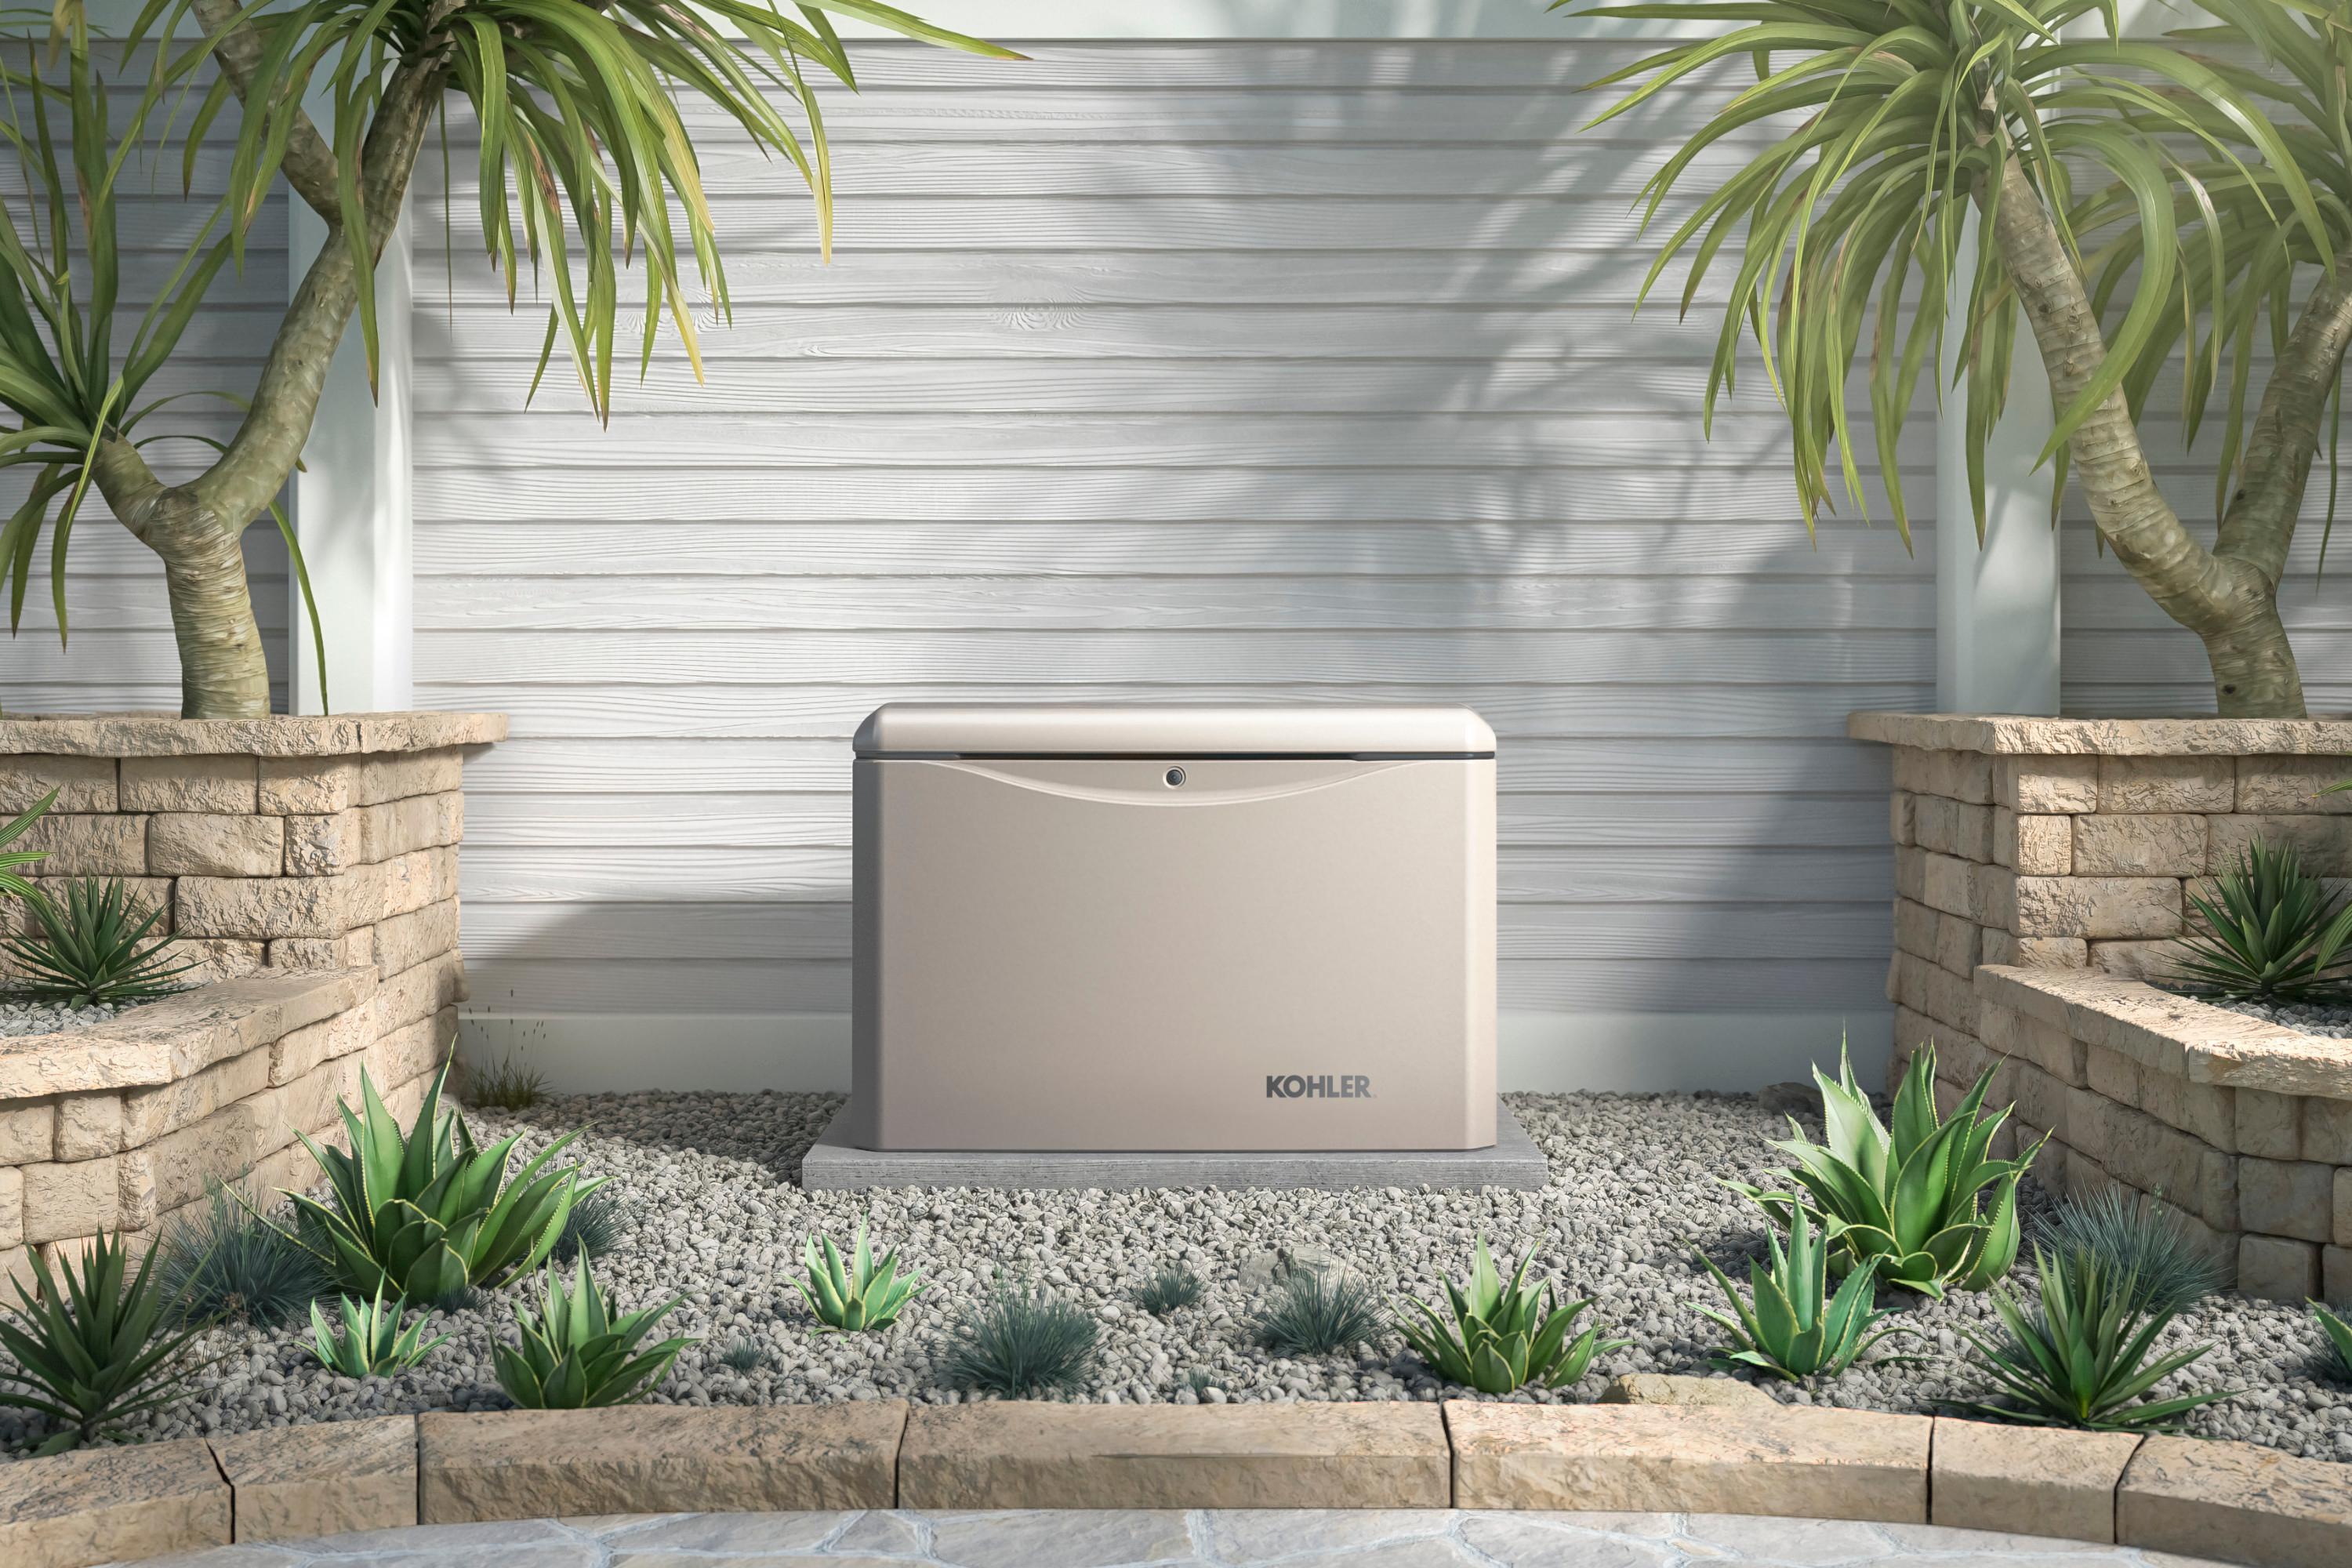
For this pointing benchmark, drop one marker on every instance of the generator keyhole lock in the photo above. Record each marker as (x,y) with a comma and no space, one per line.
(1175,777)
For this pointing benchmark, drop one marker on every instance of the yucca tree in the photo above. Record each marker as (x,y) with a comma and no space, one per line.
(584,158)
(2225,183)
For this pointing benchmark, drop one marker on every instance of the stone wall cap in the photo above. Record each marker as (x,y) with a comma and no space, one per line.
(2016,735)
(280,735)
(168,1039)
(2217,1046)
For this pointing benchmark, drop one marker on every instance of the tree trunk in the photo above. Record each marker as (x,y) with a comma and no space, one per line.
(2228,600)
(197,528)
(223,671)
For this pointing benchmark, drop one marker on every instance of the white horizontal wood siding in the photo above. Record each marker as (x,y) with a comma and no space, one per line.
(1163,372)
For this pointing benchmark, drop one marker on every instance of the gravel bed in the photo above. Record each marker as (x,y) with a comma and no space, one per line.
(2330,1020)
(22,1018)
(717,1217)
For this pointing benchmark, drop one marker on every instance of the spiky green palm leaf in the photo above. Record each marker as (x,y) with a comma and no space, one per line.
(13,861)
(1891,123)
(64,379)
(585,167)
(583,153)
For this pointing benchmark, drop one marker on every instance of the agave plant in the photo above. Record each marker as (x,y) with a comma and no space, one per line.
(370,1342)
(94,949)
(87,1348)
(2081,1358)
(426,1214)
(2271,931)
(859,1295)
(12,861)
(1922,1199)
(2147,202)
(1796,1328)
(576,1356)
(1503,1336)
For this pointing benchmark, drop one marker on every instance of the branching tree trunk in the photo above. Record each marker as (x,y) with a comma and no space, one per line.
(197,528)
(2228,595)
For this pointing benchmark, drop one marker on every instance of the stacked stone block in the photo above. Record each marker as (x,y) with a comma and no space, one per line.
(2067,852)
(122,1125)
(2057,843)
(275,849)
(2242,1129)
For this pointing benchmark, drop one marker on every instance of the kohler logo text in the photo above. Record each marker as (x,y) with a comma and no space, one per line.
(1318,1086)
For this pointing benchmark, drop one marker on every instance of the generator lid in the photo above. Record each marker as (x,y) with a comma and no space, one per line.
(1170,729)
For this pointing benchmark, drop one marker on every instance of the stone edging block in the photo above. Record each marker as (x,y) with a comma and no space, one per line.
(328,1477)
(2237,1501)
(658,1458)
(280,735)
(111,1505)
(2232,1501)
(1985,1475)
(1022,1454)
(1793,1461)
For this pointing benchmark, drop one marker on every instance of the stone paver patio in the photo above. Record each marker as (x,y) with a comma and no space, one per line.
(1230,1539)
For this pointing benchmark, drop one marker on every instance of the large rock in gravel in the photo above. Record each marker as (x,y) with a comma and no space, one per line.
(1672,1388)
(658,1458)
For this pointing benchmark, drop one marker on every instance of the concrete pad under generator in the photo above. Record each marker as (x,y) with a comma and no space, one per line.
(1790,1461)
(1024,1454)
(658,1458)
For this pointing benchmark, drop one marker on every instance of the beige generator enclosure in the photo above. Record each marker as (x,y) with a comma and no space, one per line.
(1173,928)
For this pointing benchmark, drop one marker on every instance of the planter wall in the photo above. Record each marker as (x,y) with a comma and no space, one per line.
(121,1124)
(307,846)
(2072,843)
(2061,854)
(2242,1128)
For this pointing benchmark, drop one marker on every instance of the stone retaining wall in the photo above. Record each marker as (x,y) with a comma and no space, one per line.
(2233,1502)
(2075,842)
(2242,1129)
(122,1125)
(269,844)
